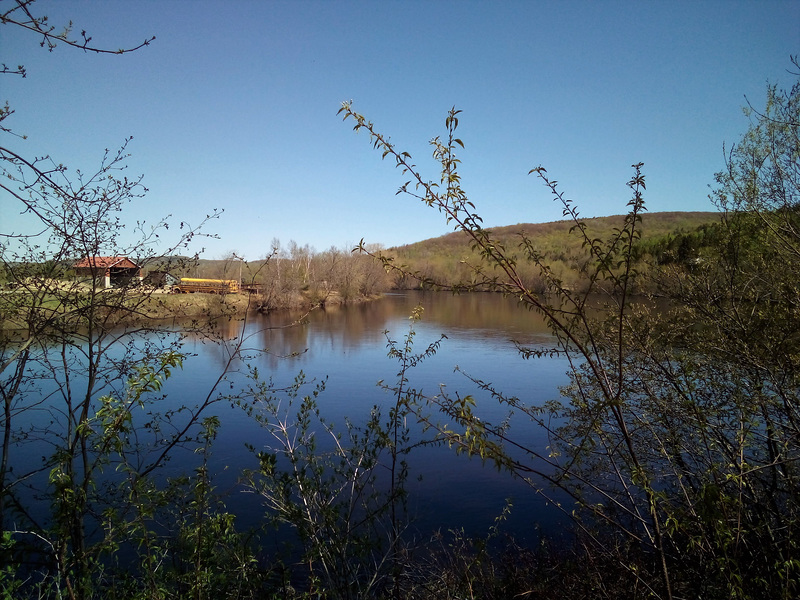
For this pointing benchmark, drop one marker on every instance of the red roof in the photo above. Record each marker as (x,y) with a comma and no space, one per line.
(106,262)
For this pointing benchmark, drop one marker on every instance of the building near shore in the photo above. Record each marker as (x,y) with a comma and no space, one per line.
(115,270)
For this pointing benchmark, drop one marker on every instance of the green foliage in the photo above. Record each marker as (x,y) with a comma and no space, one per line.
(184,541)
(323,488)
(446,259)
(678,442)
(209,558)
(342,492)
(9,583)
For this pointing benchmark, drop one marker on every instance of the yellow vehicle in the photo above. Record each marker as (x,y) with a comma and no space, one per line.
(190,285)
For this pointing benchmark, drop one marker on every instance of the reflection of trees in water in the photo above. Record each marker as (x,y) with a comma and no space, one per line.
(493,315)
(279,336)
(227,328)
(486,312)
(349,327)
(220,338)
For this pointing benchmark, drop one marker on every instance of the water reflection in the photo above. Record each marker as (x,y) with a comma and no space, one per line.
(347,347)
(485,315)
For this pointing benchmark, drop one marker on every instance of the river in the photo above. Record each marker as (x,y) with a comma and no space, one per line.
(347,346)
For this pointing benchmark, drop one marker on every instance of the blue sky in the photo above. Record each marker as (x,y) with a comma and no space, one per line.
(234,106)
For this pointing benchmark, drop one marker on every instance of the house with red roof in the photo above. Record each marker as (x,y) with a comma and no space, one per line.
(115,270)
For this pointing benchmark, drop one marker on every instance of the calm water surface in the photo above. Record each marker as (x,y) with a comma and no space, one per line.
(348,346)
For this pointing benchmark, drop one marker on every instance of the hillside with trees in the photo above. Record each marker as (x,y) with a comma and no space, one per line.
(450,259)
(297,276)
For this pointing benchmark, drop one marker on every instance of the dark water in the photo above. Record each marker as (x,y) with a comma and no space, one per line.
(348,346)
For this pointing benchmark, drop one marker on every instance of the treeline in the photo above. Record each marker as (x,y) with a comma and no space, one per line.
(730,234)
(451,259)
(293,276)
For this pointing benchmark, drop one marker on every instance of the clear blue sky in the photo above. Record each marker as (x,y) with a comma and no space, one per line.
(234,105)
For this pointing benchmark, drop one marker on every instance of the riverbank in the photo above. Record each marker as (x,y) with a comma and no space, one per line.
(160,305)
(195,306)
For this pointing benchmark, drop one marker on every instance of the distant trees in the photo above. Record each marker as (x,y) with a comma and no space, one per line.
(677,441)
(666,238)
(298,276)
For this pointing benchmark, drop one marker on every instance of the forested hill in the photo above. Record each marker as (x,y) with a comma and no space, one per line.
(667,237)
(442,258)
(556,233)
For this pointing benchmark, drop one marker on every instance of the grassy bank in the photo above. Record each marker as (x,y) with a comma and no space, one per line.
(158,305)
(195,306)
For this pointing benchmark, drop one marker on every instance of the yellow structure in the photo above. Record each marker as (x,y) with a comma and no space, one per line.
(190,285)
